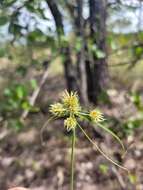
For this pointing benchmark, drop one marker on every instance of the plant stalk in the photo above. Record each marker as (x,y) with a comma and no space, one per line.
(72,160)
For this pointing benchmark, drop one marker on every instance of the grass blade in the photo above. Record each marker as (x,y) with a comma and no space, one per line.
(108,158)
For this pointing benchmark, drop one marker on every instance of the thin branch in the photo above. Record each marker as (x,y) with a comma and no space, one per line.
(35,94)
(126,47)
(119,177)
(130,63)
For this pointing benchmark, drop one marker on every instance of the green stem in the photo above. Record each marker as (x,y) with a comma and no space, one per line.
(72,161)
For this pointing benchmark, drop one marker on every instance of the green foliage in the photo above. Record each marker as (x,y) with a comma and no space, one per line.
(15,29)
(15,124)
(131,124)
(3,20)
(132,178)
(78,44)
(15,96)
(103,168)
(16,100)
(21,70)
(34,7)
(2,52)
(137,100)
(36,36)
(33,83)
(104,98)
(135,121)
(138,52)
(94,50)
(111,42)
(64,41)
(128,125)
(100,54)
(7,3)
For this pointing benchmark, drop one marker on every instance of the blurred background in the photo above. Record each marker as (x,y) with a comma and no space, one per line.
(94,47)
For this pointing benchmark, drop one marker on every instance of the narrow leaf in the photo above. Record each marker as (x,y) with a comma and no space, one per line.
(108,158)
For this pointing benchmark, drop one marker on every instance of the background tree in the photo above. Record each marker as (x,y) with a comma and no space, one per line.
(88,72)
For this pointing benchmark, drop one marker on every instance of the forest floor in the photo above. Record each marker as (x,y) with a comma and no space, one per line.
(27,161)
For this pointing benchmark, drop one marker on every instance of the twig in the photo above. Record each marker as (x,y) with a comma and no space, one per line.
(119,177)
(35,94)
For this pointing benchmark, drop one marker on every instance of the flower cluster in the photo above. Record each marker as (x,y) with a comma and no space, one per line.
(69,107)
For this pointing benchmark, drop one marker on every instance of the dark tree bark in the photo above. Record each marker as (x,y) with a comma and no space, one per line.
(90,76)
(57,16)
(65,51)
(69,70)
(81,70)
(97,67)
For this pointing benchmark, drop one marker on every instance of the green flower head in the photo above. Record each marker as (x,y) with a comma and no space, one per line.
(71,102)
(70,123)
(57,110)
(96,116)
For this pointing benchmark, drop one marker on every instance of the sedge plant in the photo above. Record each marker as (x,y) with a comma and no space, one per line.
(70,109)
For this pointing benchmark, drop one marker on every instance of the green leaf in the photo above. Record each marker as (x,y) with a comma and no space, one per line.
(132,124)
(111,42)
(2,52)
(136,99)
(14,104)
(97,52)
(30,7)
(25,105)
(3,20)
(113,45)
(7,92)
(36,35)
(21,70)
(15,29)
(138,51)
(132,178)
(33,83)
(16,124)
(78,44)
(64,41)
(100,54)
(8,2)
(20,91)
(104,168)
(34,109)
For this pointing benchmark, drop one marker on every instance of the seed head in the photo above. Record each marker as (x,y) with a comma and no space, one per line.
(71,102)
(70,123)
(96,116)
(57,109)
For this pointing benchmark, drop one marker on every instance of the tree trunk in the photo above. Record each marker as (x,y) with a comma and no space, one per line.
(97,67)
(69,70)
(90,76)
(81,70)
(65,51)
